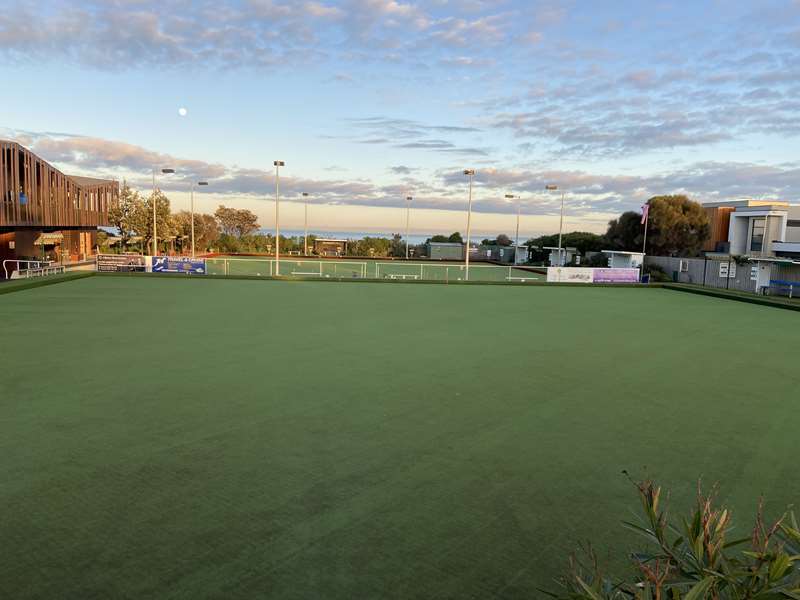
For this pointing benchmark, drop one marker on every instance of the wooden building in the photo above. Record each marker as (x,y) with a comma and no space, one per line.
(38,199)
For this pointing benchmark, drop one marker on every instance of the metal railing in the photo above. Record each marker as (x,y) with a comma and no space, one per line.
(32,268)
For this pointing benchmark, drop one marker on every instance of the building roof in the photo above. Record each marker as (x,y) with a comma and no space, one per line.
(330,240)
(89,181)
(451,244)
(625,252)
(744,202)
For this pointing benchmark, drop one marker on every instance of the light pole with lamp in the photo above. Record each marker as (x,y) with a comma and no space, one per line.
(519,208)
(155,232)
(471,174)
(552,188)
(408,220)
(192,209)
(305,222)
(278,164)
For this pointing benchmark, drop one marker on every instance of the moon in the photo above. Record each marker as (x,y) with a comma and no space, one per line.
(182,111)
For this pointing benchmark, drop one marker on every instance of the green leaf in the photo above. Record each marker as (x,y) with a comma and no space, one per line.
(779,566)
(589,591)
(698,592)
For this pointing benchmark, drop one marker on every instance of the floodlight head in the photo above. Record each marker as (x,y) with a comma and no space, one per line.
(305,194)
(510,196)
(167,171)
(202,183)
(550,187)
(469,172)
(279,163)
(409,198)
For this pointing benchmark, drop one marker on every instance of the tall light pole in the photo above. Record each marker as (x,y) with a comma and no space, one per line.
(552,188)
(155,232)
(471,174)
(519,208)
(278,164)
(192,210)
(305,221)
(408,219)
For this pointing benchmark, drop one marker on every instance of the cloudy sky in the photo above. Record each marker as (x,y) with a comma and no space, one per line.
(369,101)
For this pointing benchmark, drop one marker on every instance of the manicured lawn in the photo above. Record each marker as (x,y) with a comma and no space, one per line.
(177,438)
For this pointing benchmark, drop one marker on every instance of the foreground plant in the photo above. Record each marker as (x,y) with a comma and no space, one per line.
(696,559)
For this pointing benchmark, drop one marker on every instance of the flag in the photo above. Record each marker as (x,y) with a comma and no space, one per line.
(645,213)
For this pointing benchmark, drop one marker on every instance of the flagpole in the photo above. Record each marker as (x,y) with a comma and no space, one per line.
(646,221)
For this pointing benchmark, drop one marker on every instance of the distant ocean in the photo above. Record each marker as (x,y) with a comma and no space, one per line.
(414,238)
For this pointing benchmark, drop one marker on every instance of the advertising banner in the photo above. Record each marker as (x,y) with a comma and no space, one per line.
(178,264)
(569,275)
(616,276)
(117,263)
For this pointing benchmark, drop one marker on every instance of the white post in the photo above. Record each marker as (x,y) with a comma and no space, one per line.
(408,220)
(278,164)
(155,242)
(305,222)
(516,239)
(192,211)
(469,173)
(561,260)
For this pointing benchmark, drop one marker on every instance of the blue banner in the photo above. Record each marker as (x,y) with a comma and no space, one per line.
(177,264)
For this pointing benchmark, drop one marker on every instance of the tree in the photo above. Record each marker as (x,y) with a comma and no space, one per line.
(625,232)
(694,558)
(678,226)
(141,219)
(236,222)
(455,238)
(584,241)
(206,230)
(121,216)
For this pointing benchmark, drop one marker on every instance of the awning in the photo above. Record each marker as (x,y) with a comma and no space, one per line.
(49,239)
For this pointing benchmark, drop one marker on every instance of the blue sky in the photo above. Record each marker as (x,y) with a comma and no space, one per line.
(369,101)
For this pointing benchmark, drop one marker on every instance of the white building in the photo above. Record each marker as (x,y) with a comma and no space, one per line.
(567,254)
(756,228)
(618,259)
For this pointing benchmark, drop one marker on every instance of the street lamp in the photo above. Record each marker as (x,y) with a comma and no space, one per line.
(155,232)
(552,188)
(192,210)
(278,164)
(519,208)
(408,219)
(305,239)
(471,174)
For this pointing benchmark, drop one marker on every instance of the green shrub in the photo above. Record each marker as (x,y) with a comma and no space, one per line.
(694,559)
(657,273)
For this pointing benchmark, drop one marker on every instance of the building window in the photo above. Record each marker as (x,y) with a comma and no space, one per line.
(757,234)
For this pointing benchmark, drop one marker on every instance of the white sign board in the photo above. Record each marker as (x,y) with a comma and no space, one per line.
(569,275)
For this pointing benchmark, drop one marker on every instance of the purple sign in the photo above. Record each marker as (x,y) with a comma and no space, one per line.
(616,276)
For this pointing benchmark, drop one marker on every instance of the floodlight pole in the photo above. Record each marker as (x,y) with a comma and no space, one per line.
(561,231)
(278,164)
(192,211)
(305,221)
(155,232)
(519,209)
(471,174)
(408,220)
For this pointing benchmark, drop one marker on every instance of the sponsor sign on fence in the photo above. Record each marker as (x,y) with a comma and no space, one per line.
(177,264)
(569,275)
(115,263)
(587,275)
(616,276)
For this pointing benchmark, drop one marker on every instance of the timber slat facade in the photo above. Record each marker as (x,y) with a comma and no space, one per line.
(51,198)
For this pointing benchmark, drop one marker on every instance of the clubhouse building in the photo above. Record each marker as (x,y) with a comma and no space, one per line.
(46,214)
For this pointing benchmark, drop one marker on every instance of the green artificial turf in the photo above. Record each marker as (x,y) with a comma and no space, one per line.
(191,438)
